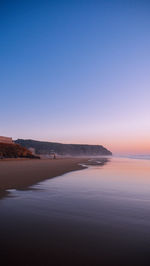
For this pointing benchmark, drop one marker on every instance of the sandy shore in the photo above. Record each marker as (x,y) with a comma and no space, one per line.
(20,174)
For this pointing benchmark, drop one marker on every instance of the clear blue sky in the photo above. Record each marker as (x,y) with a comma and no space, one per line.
(76,71)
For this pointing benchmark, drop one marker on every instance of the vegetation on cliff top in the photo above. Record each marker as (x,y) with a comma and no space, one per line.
(14,151)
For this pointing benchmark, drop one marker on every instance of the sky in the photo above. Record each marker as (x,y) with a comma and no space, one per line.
(76,72)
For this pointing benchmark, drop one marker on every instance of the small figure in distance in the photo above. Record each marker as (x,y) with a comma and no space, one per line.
(54,157)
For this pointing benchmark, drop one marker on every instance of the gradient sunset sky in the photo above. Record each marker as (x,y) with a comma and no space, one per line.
(76,72)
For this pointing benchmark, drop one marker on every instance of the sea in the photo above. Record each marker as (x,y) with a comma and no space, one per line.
(96,216)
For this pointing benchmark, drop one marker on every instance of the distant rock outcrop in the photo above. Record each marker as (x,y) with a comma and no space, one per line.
(42,147)
(14,151)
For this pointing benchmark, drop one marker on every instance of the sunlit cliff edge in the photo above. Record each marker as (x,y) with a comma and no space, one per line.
(12,150)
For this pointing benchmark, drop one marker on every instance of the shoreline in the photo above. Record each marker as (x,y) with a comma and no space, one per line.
(21,174)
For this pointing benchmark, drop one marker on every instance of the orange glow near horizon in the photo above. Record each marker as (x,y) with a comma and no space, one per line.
(120,145)
(130,147)
(132,143)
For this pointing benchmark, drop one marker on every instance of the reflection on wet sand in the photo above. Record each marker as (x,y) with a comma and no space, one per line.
(97,216)
(21,175)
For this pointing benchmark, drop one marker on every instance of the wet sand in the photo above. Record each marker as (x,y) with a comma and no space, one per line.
(20,174)
(99,216)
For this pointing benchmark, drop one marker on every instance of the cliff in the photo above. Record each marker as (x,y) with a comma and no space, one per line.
(14,151)
(41,147)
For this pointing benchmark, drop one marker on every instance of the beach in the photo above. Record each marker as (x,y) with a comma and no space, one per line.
(96,216)
(20,174)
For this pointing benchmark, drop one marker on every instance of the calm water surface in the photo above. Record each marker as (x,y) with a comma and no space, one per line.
(96,216)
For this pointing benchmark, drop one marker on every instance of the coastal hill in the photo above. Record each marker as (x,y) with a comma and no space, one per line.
(12,150)
(41,147)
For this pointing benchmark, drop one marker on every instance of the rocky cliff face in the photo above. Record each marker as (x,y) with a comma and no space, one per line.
(64,149)
(14,151)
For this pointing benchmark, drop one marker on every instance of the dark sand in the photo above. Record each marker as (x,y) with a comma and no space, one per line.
(20,174)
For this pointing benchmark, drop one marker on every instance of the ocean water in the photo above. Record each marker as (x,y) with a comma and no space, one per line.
(96,216)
